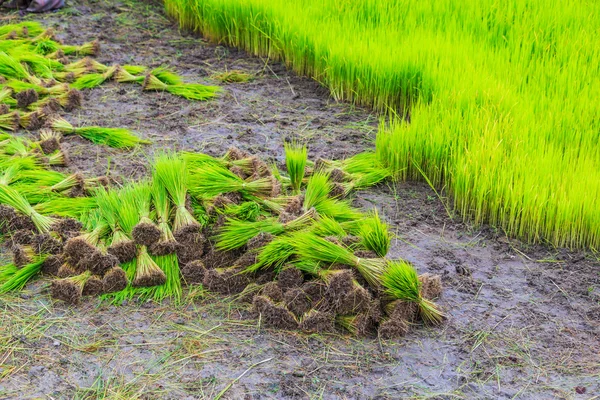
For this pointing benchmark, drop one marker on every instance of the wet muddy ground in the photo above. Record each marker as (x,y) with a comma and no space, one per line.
(524,321)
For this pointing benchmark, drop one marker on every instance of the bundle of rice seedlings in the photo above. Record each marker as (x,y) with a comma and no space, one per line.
(12,68)
(70,100)
(23,255)
(70,289)
(122,75)
(87,49)
(247,211)
(172,172)
(190,91)
(312,247)
(296,155)
(22,29)
(326,226)
(401,282)
(16,278)
(274,254)
(45,46)
(166,76)
(48,105)
(147,272)
(73,207)
(88,64)
(9,121)
(83,246)
(113,137)
(49,141)
(236,233)
(33,120)
(212,180)
(375,235)
(11,197)
(233,76)
(145,233)
(119,210)
(364,180)
(93,80)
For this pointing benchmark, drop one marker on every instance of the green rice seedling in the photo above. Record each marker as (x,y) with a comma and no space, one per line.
(87,49)
(93,80)
(12,68)
(9,121)
(317,189)
(236,233)
(171,171)
(112,137)
(247,211)
(296,155)
(123,76)
(22,29)
(233,76)
(360,181)
(45,46)
(326,226)
(212,180)
(147,272)
(19,86)
(172,286)
(19,277)
(135,69)
(89,65)
(375,235)
(5,95)
(315,248)
(7,271)
(401,282)
(11,197)
(166,76)
(74,207)
(145,232)
(274,254)
(190,91)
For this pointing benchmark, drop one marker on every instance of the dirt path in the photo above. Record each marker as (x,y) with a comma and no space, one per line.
(524,320)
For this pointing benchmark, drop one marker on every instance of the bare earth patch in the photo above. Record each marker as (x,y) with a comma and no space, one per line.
(524,320)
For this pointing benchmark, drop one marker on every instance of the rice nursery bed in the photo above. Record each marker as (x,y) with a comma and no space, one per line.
(147,253)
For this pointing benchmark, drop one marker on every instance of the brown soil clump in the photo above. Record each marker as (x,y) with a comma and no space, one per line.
(431,286)
(114,280)
(290,277)
(124,251)
(225,281)
(93,286)
(52,264)
(26,97)
(318,322)
(153,277)
(272,291)
(315,290)
(355,301)
(66,271)
(68,228)
(402,310)
(297,301)
(146,234)
(273,315)
(76,249)
(46,243)
(65,290)
(294,205)
(393,328)
(193,272)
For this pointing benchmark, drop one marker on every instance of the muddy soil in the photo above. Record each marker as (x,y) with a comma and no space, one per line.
(524,321)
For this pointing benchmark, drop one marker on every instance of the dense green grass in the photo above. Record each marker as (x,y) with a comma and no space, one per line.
(502,97)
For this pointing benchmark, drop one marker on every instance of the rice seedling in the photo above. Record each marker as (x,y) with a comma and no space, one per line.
(295,161)
(190,91)
(315,248)
(212,180)
(87,49)
(112,137)
(145,233)
(147,272)
(401,282)
(172,172)
(93,80)
(11,197)
(274,254)
(236,233)
(375,235)
(233,76)
(9,121)
(22,29)
(12,68)
(16,279)
(166,76)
